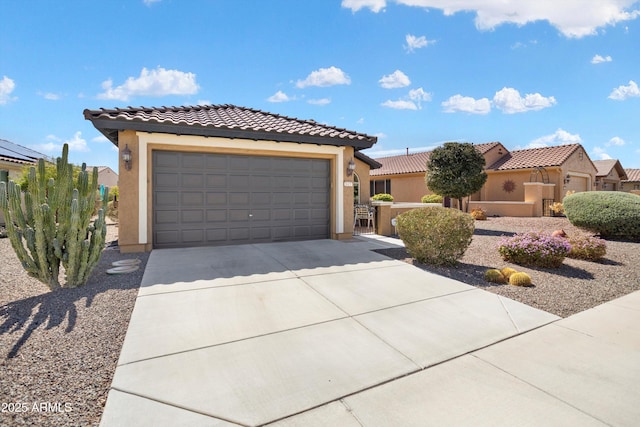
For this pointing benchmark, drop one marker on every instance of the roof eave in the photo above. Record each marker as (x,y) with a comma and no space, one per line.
(110,129)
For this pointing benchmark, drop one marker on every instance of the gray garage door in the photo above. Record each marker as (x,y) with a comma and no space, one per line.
(217,199)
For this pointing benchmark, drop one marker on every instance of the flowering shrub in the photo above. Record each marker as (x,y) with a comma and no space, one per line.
(557,208)
(535,249)
(431,198)
(590,248)
(382,197)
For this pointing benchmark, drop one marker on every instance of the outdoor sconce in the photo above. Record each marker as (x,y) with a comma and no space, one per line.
(351,167)
(126,157)
(567,179)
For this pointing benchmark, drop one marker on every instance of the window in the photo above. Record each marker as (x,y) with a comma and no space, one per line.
(356,189)
(4,176)
(380,186)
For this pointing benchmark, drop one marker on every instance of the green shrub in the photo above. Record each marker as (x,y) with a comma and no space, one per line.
(535,249)
(587,247)
(435,235)
(611,214)
(114,193)
(383,197)
(431,198)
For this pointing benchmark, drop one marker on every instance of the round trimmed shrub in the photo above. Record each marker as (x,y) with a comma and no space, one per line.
(435,235)
(431,198)
(382,197)
(520,279)
(534,249)
(479,214)
(611,214)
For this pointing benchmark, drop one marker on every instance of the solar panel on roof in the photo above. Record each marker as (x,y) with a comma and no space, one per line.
(9,149)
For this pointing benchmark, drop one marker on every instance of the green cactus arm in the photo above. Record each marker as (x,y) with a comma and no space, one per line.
(72,248)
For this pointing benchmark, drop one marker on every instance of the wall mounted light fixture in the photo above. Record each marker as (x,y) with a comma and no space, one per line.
(126,157)
(351,167)
(567,179)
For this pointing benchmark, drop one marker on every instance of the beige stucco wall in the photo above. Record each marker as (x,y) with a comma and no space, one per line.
(406,187)
(362,172)
(629,186)
(135,209)
(15,169)
(107,177)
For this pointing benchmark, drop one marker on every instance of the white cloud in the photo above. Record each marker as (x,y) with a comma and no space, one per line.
(465,104)
(394,80)
(355,5)
(510,102)
(54,144)
(616,140)
(400,104)
(279,96)
(572,18)
(49,96)
(413,100)
(325,77)
(559,137)
(623,92)
(321,101)
(203,102)
(597,59)
(414,42)
(6,88)
(158,82)
(100,138)
(150,2)
(600,154)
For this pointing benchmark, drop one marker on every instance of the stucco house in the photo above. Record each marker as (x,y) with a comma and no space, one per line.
(632,182)
(610,174)
(556,170)
(223,174)
(106,176)
(14,157)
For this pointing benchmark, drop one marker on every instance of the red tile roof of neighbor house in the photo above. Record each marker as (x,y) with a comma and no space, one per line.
(228,121)
(605,166)
(535,157)
(632,175)
(415,162)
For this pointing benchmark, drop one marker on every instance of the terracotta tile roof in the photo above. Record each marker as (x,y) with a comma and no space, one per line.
(405,163)
(632,175)
(225,121)
(415,162)
(535,157)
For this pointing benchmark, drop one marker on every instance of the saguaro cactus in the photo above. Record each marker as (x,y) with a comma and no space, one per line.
(55,226)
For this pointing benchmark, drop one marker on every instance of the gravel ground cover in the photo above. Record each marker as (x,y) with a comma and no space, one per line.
(576,286)
(58,350)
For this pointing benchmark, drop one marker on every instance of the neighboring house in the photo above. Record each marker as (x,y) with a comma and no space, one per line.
(610,174)
(106,176)
(14,157)
(559,169)
(632,182)
(403,176)
(223,174)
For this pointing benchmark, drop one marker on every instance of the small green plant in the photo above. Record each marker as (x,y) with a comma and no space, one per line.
(586,247)
(611,214)
(534,249)
(435,235)
(479,214)
(494,276)
(432,198)
(114,193)
(383,197)
(507,272)
(520,279)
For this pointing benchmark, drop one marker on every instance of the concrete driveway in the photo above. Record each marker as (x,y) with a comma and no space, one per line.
(329,333)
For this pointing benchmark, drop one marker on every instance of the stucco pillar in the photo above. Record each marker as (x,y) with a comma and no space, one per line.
(536,192)
(128,208)
(383,218)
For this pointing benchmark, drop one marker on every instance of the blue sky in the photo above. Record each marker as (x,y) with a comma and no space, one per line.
(415,73)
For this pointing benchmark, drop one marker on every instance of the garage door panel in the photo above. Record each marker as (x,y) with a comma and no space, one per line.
(189,180)
(192,199)
(216,181)
(212,199)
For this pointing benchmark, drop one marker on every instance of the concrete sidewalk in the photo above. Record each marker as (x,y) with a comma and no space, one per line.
(328,333)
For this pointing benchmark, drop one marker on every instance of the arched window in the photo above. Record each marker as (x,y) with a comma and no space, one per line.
(356,189)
